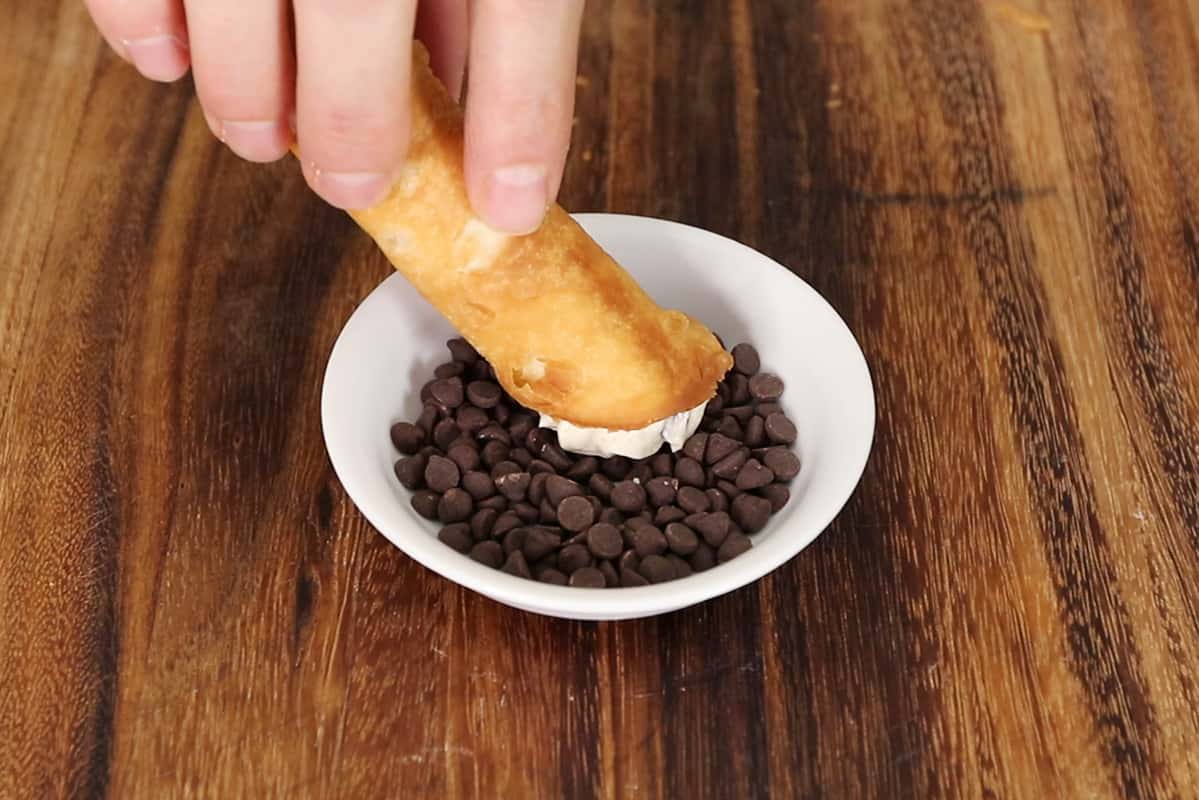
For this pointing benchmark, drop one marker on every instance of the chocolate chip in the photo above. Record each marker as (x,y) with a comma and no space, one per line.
(604,540)
(733,546)
(689,472)
(488,553)
(765,387)
(514,485)
(609,572)
(740,413)
(738,389)
(731,428)
(483,522)
(424,503)
(704,558)
(546,512)
(540,542)
(755,432)
(647,541)
(717,500)
(641,473)
(521,456)
(583,469)
(573,557)
(537,465)
(667,514)
(504,523)
(778,495)
(456,536)
(447,392)
(632,579)
(596,506)
(719,447)
(611,516)
(426,392)
(407,437)
(601,486)
(575,513)
(494,452)
(494,432)
(410,471)
(729,488)
(628,497)
(656,569)
(466,456)
(782,462)
(616,468)
(537,487)
(728,467)
(662,464)
(441,474)
(588,578)
(527,513)
(693,500)
(695,446)
(519,424)
(471,419)
(496,501)
(461,350)
(445,433)
(450,369)
(552,577)
(537,439)
(750,512)
(661,490)
(478,484)
(505,468)
(766,409)
(779,429)
(745,359)
(717,403)
(427,419)
(516,565)
(754,475)
(484,394)
(455,505)
(480,371)
(714,527)
(681,568)
(558,489)
(681,539)
(515,539)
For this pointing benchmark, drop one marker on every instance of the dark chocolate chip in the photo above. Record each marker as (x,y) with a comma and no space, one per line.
(730,428)
(575,513)
(515,539)
(504,523)
(733,546)
(703,558)
(717,403)
(755,432)
(738,389)
(461,350)
(471,419)
(537,440)
(407,437)
(779,429)
(480,371)
(754,475)
(656,569)
(714,527)
(556,457)
(662,464)
(558,489)
(750,512)
(427,419)
(778,495)
(628,497)
(681,539)
(426,392)
(695,446)
(425,503)
(521,456)
(546,512)
(588,578)
(483,522)
(445,432)
(611,516)
(647,541)
(719,447)
(693,500)
(450,369)
(488,553)
(447,392)
(583,469)
(641,473)
(410,471)
(573,556)
(552,577)
(616,468)
(457,536)
(537,487)
(540,542)
(709,425)
(483,394)
(494,452)
(765,387)
(740,413)
(661,490)
(611,579)
(729,488)
(604,540)
(631,579)
(496,501)
(717,499)
(766,409)
(537,465)
(514,485)
(456,505)
(601,486)
(728,467)
(466,456)
(479,484)
(680,566)
(519,425)
(504,468)
(628,560)
(782,462)
(746,360)
(689,472)
(667,514)
(494,432)
(516,565)
(527,513)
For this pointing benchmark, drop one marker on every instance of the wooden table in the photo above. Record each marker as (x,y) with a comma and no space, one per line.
(1000,197)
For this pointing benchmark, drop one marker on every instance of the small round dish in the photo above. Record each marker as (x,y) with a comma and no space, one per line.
(394,339)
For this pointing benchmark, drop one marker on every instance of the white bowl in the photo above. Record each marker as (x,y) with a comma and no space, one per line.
(394,339)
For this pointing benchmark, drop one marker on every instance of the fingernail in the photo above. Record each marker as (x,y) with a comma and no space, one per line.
(352,189)
(256,140)
(159,58)
(518,197)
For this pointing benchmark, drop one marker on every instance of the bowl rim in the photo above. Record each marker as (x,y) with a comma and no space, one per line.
(414,539)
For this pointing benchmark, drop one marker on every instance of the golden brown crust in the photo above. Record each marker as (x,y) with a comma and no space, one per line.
(569,332)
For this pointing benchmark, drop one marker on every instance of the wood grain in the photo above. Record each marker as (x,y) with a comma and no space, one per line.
(1000,198)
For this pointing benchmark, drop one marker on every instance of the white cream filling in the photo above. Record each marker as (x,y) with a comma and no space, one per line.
(674,430)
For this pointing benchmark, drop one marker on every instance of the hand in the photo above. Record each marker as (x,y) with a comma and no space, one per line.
(339,85)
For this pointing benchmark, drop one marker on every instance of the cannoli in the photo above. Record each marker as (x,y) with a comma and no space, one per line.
(569,333)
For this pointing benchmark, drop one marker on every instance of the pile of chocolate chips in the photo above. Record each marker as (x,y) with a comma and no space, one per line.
(509,497)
